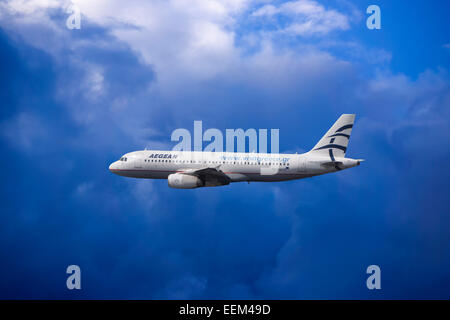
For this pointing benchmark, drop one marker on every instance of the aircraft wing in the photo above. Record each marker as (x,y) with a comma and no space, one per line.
(211,176)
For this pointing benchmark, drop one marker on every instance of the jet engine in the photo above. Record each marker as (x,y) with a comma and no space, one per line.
(184,181)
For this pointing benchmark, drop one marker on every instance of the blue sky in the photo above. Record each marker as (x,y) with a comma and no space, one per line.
(75,100)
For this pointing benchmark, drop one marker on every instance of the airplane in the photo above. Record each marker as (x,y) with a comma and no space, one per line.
(195,169)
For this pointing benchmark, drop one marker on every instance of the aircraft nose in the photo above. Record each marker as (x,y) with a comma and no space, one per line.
(113,166)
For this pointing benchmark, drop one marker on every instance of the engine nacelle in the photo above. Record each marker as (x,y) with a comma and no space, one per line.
(184,181)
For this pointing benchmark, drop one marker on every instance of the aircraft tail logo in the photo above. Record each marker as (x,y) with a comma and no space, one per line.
(334,143)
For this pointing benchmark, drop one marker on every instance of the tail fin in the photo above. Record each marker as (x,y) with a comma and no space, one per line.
(334,142)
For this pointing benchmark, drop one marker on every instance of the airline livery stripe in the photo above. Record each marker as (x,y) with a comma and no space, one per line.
(333,146)
(340,135)
(348,126)
(330,151)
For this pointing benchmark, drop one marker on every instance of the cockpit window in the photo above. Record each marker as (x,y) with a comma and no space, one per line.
(123,159)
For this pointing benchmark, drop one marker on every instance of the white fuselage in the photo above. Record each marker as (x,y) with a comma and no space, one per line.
(153,164)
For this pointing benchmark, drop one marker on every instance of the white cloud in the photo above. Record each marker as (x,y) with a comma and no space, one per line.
(94,81)
(189,43)
(195,39)
(175,37)
(30,7)
(182,40)
(308,17)
(32,22)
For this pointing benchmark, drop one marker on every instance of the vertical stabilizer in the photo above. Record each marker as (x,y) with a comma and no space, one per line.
(334,143)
